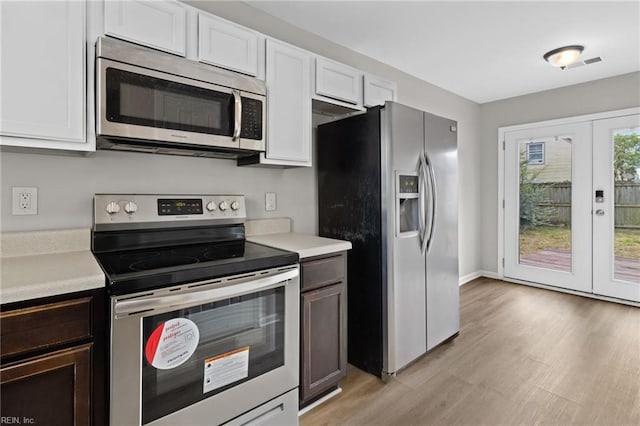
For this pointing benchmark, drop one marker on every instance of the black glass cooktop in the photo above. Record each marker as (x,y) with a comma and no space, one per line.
(135,270)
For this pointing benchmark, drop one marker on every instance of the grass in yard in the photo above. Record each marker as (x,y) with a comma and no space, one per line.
(628,243)
(533,240)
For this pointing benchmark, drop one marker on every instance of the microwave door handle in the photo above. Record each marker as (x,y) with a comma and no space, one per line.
(237,114)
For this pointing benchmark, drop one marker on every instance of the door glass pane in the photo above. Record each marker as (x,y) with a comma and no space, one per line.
(626,177)
(545,203)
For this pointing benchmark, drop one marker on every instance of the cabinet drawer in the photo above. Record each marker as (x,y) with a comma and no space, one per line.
(320,272)
(39,327)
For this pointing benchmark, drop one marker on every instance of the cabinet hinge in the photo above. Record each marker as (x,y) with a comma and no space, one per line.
(503,262)
(504,145)
(503,203)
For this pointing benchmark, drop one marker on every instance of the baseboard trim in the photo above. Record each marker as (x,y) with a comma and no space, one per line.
(490,274)
(573,292)
(477,274)
(320,401)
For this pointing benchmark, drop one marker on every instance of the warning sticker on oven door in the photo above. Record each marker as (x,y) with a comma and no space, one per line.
(224,369)
(172,343)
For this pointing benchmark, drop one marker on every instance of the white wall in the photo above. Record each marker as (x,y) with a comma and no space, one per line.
(67,182)
(596,96)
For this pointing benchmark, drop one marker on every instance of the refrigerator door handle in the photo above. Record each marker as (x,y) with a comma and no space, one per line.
(432,203)
(422,181)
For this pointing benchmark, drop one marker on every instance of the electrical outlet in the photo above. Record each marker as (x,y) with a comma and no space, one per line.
(24,201)
(270,201)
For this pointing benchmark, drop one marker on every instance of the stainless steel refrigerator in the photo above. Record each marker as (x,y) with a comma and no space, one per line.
(388,182)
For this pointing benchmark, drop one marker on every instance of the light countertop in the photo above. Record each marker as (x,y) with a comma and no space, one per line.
(303,244)
(47,263)
(277,233)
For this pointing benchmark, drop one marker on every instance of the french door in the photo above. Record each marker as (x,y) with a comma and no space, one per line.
(616,207)
(572,206)
(548,206)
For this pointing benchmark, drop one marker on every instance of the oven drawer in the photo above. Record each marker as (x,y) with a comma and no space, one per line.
(40,327)
(323,271)
(280,411)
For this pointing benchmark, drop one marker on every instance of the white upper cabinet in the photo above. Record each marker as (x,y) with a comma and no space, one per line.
(288,76)
(378,90)
(42,57)
(338,81)
(227,45)
(157,24)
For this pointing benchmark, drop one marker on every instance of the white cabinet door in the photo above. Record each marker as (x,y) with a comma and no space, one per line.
(157,24)
(42,67)
(288,105)
(378,90)
(338,81)
(227,45)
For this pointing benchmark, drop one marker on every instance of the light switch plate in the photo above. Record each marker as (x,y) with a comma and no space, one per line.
(270,201)
(24,201)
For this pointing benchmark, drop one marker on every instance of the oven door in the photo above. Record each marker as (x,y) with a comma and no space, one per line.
(138,103)
(204,353)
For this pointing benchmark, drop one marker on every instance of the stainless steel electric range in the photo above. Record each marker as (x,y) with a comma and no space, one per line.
(204,324)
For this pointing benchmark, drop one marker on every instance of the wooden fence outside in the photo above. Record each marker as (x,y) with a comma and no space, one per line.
(557,198)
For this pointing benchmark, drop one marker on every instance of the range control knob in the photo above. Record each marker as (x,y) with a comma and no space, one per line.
(130,207)
(113,208)
(235,205)
(223,205)
(211,206)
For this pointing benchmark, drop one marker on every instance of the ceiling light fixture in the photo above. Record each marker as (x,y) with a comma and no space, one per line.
(563,56)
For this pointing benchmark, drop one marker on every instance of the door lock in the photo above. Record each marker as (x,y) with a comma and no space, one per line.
(599,212)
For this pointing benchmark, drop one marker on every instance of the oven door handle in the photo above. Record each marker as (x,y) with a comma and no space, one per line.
(204,296)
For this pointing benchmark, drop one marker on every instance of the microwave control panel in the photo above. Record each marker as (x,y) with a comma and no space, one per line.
(251,119)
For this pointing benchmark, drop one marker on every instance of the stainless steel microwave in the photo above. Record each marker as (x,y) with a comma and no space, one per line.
(156,102)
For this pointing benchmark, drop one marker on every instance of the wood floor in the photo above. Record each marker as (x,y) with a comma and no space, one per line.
(524,356)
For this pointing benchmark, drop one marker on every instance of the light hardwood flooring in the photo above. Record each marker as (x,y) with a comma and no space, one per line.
(524,356)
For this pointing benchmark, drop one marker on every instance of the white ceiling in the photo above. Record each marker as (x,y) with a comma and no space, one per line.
(483,51)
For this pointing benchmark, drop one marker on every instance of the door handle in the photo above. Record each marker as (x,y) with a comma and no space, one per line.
(599,212)
(178,301)
(237,114)
(432,203)
(422,214)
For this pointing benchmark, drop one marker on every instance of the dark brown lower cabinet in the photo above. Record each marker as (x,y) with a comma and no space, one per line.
(323,336)
(52,360)
(52,389)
